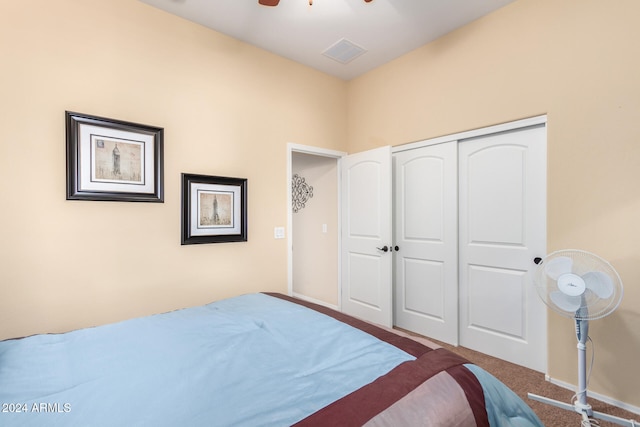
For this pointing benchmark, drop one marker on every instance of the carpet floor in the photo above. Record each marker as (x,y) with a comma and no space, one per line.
(523,380)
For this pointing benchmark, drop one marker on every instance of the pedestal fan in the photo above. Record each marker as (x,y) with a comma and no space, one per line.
(583,287)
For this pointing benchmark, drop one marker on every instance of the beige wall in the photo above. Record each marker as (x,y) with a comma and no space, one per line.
(315,256)
(577,61)
(227,108)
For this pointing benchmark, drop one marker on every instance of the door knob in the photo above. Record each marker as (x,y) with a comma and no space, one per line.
(385,248)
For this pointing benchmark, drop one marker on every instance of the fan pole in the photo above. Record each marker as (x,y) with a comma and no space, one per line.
(582,333)
(580,405)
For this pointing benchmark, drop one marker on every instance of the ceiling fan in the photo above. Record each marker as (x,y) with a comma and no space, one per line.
(275,2)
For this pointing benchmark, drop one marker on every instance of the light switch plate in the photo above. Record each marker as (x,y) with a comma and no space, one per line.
(278,232)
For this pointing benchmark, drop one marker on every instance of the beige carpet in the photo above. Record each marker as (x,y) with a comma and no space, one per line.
(523,381)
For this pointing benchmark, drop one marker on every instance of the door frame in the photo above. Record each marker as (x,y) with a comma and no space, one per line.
(502,127)
(320,152)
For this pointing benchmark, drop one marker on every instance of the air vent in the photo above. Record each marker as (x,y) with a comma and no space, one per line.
(344,51)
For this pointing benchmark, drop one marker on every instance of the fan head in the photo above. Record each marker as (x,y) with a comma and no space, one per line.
(578,284)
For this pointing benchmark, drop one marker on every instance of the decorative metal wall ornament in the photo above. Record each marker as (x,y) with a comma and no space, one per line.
(301,192)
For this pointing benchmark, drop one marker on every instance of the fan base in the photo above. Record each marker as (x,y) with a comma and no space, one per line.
(585,410)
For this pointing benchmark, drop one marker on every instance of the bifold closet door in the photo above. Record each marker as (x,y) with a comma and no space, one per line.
(425,231)
(502,228)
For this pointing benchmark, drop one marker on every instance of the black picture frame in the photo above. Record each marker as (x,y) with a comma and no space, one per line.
(113,160)
(214,209)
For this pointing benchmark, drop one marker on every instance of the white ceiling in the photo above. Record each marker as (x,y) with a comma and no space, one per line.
(386,29)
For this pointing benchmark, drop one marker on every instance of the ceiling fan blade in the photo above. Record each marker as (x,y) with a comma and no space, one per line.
(599,283)
(556,267)
(269,2)
(565,302)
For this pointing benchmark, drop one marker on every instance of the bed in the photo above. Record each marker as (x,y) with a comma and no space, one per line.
(252,360)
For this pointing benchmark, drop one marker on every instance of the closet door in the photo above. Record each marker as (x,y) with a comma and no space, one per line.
(502,229)
(366,289)
(425,231)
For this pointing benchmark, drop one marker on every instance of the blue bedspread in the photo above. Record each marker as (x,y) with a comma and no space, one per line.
(182,368)
(253,360)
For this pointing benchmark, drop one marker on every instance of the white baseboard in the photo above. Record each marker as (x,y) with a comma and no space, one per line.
(313,300)
(597,396)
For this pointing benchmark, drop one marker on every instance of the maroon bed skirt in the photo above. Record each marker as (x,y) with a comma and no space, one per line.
(365,404)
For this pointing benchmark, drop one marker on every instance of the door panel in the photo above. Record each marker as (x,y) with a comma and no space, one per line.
(366,218)
(502,229)
(426,293)
(495,205)
(426,299)
(482,313)
(364,278)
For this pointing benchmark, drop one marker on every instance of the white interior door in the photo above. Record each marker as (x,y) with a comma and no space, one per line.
(426,233)
(366,267)
(502,228)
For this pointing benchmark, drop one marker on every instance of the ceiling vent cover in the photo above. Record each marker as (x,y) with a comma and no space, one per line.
(344,51)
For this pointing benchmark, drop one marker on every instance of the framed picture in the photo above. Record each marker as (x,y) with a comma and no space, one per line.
(113,160)
(214,209)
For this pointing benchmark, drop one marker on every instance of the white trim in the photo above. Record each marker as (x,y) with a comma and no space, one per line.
(597,396)
(503,127)
(298,148)
(315,301)
(322,152)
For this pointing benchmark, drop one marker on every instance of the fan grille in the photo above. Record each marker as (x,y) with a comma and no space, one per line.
(581,263)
